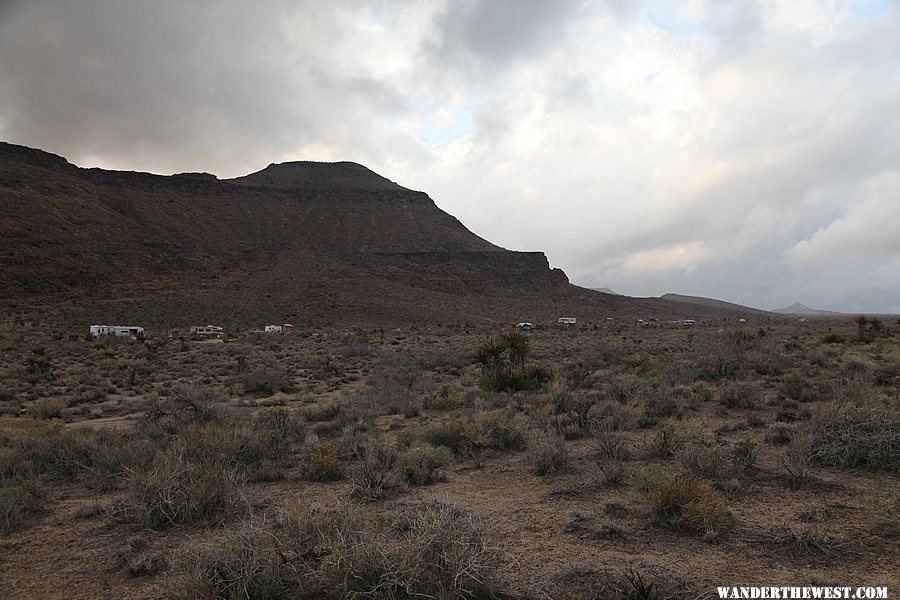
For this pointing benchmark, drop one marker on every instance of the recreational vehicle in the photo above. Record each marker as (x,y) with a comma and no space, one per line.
(117,330)
(207,331)
(567,320)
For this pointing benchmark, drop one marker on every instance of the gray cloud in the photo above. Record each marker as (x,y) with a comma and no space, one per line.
(741,150)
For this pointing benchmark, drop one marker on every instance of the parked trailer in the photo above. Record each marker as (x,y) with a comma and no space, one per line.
(117,330)
(567,320)
(208,331)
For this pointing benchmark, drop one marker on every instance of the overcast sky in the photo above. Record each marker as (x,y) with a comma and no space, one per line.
(748,151)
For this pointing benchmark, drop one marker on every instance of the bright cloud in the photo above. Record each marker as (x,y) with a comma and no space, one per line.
(741,150)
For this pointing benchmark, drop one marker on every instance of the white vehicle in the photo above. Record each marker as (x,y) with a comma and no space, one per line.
(272,329)
(525,326)
(116,330)
(208,331)
(567,320)
(688,322)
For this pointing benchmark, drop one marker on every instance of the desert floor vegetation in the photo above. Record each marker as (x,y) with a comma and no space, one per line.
(448,461)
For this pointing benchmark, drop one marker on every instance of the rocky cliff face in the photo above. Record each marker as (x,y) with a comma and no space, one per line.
(91,233)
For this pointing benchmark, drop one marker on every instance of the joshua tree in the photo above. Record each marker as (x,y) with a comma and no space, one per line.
(519,345)
(489,356)
(861,322)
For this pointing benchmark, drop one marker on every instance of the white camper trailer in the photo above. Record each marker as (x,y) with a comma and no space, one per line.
(208,331)
(567,320)
(273,329)
(117,330)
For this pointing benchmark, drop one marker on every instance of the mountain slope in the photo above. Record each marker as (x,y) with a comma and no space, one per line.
(332,241)
(706,303)
(799,309)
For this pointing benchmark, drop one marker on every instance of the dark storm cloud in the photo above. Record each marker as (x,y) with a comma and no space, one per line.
(175,86)
(478,36)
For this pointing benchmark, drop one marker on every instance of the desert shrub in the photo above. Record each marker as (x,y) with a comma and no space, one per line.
(136,558)
(188,404)
(662,403)
(432,550)
(246,564)
(472,434)
(321,461)
(743,458)
(720,356)
(107,454)
(796,461)
(798,388)
(740,395)
(172,491)
(453,434)
(501,431)
(612,469)
(807,543)
(633,583)
(354,345)
(422,464)
(647,478)
(686,503)
(47,408)
(586,526)
(548,454)
(708,462)
(662,444)
(445,397)
(855,435)
(780,435)
(265,381)
(833,338)
(448,550)
(275,430)
(502,363)
(373,476)
(19,499)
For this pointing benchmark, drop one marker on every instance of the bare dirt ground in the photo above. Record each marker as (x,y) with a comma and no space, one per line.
(788,434)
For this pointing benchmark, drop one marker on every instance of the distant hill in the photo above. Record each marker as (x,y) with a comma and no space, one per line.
(305,242)
(606,290)
(700,301)
(800,309)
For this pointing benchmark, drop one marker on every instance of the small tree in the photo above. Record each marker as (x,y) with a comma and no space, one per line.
(861,322)
(502,362)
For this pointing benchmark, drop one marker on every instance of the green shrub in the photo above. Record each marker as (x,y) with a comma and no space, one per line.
(422,464)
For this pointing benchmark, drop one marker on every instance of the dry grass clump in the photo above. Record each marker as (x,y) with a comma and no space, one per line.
(634,583)
(137,558)
(744,395)
(433,550)
(587,526)
(688,504)
(19,500)
(174,490)
(548,454)
(470,435)
(374,476)
(806,543)
(321,460)
(856,434)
